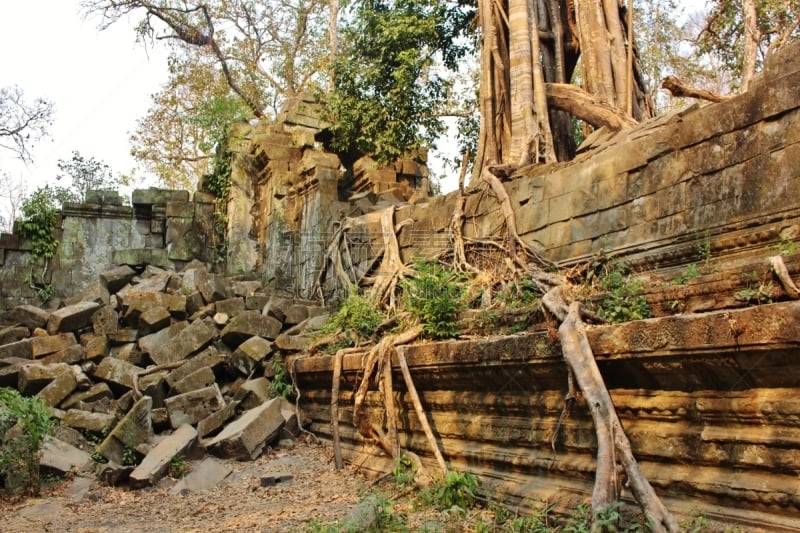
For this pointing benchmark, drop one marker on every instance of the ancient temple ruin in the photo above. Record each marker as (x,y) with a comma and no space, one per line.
(706,389)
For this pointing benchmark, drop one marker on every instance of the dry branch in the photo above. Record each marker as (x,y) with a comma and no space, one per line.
(423,418)
(613,446)
(779,267)
(582,105)
(337,375)
(677,88)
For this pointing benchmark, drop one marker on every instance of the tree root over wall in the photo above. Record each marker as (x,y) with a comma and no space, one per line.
(616,465)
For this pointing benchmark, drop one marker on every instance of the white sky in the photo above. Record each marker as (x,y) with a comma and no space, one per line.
(99,83)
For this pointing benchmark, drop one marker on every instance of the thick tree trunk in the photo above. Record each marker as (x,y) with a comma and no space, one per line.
(752,36)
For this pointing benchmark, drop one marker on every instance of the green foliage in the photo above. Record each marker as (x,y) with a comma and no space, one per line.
(540,522)
(178,466)
(689,273)
(86,174)
(786,247)
(24,423)
(404,472)
(623,300)
(722,37)
(40,219)
(218,182)
(387,96)
(129,456)
(457,490)
(435,295)
(280,384)
(357,317)
(520,294)
(704,249)
(45,292)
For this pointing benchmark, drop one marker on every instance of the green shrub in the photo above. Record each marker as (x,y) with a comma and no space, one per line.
(24,423)
(435,296)
(357,317)
(178,466)
(280,384)
(623,300)
(456,490)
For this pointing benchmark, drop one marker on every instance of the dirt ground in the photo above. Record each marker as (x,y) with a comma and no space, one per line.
(316,495)
(239,503)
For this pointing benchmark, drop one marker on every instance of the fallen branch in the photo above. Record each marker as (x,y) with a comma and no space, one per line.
(677,88)
(423,418)
(613,446)
(582,105)
(337,375)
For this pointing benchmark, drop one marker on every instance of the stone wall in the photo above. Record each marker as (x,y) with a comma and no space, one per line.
(161,227)
(706,390)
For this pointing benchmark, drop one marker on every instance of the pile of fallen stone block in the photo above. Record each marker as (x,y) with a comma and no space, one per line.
(148,365)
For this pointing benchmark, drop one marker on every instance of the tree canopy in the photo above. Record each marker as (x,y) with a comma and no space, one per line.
(23,123)
(387,68)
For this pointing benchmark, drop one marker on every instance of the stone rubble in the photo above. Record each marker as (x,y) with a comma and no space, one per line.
(152,364)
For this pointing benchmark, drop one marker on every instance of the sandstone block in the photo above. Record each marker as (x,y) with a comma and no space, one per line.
(245,437)
(72,317)
(153,385)
(33,377)
(295,314)
(41,346)
(116,278)
(199,379)
(207,475)
(70,355)
(250,324)
(255,302)
(153,319)
(230,306)
(210,357)
(63,457)
(97,423)
(250,353)
(191,407)
(213,422)
(123,336)
(153,279)
(254,392)
(96,392)
(9,371)
(105,320)
(96,293)
(211,286)
(14,334)
(292,343)
(246,289)
(136,302)
(29,316)
(134,429)
(154,196)
(148,343)
(20,349)
(156,462)
(96,348)
(117,373)
(191,340)
(58,389)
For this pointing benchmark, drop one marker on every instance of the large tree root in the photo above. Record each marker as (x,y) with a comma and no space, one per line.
(782,273)
(613,447)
